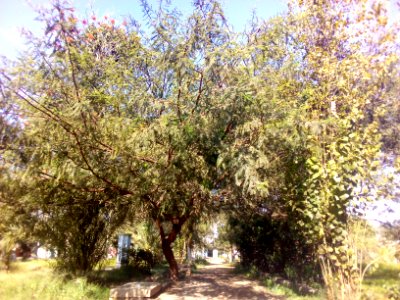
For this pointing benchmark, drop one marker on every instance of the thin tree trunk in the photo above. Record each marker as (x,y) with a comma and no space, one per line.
(189,255)
(169,256)
(166,242)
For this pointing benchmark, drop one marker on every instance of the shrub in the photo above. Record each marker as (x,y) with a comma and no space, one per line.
(142,259)
(273,246)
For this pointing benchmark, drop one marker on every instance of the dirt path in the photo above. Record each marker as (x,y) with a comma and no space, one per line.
(217,281)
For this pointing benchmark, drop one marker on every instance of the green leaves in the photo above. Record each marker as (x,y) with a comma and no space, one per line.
(285,117)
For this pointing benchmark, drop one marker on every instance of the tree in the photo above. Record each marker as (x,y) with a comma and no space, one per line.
(283,120)
(315,142)
(14,220)
(78,225)
(121,121)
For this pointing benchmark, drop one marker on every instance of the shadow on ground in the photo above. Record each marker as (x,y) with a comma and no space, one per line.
(217,282)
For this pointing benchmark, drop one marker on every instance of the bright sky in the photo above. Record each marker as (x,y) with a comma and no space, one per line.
(17,14)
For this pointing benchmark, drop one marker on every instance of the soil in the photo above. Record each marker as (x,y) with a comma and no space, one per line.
(217,281)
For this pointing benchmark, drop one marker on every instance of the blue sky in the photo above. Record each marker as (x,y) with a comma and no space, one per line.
(17,14)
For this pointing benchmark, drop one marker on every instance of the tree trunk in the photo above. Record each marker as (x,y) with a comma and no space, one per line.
(166,242)
(189,255)
(169,256)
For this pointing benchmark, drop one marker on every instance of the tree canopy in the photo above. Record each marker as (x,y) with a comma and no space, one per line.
(285,120)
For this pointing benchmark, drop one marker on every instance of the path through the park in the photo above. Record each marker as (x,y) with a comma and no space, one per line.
(217,281)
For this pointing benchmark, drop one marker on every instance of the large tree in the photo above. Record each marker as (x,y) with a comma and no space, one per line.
(123,120)
(283,118)
(327,71)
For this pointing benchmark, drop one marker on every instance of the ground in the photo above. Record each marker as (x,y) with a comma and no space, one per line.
(217,281)
(35,279)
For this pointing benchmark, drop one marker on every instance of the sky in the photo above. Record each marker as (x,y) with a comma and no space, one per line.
(18,14)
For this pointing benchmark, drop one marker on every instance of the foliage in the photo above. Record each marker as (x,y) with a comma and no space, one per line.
(145,235)
(391,232)
(115,276)
(372,249)
(80,236)
(142,260)
(273,246)
(394,293)
(284,123)
(316,150)
(109,112)
(14,220)
(7,244)
(201,261)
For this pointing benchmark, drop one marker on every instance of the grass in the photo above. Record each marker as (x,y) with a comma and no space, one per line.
(377,284)
(114,277)
(201,262)
(289,293)
(36,280)
(280,287)
(160,271)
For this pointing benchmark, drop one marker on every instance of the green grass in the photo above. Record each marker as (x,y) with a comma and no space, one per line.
(36,280)
(160,271)
(376,285)
(279,289)
(283,290)
(201,262)
(107,263)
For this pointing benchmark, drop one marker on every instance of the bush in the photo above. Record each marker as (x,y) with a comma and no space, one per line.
(201,261)
(6,245)
(79,234)
(273,246)
(142,260)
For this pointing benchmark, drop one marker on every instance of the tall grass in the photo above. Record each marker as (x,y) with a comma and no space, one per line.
(369,253)
(339,284)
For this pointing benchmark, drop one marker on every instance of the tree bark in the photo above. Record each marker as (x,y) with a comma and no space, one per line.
(166,242)
(169,256)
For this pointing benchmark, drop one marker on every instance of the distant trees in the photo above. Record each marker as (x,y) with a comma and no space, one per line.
(283,121)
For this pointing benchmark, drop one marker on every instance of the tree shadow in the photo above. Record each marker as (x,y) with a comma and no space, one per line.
(217,283)
(113,277)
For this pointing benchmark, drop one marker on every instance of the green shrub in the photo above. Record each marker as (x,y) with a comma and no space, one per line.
(201,261)
(273,246)
(115,276)
(142,259)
